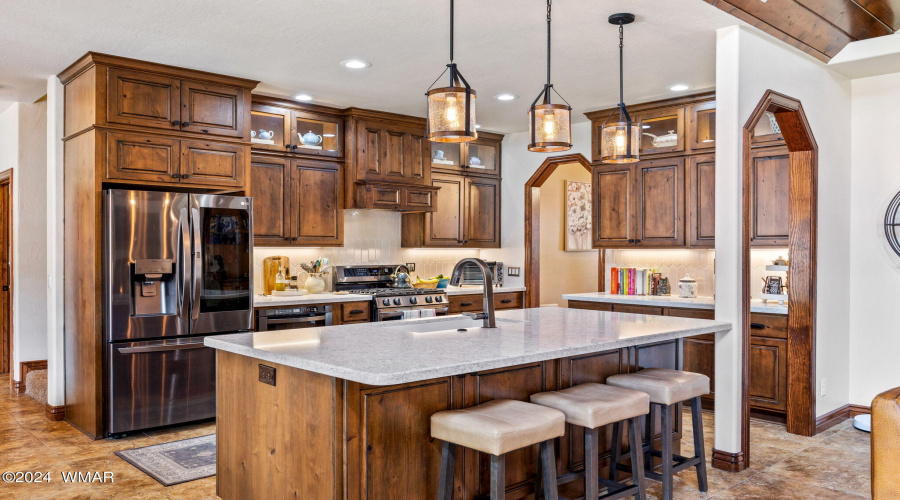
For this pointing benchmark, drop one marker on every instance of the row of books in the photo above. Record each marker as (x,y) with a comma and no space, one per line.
(637,281)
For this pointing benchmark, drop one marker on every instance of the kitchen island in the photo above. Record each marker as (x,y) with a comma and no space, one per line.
(343,411)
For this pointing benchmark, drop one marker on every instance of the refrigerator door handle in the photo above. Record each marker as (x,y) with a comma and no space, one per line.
(198,260)
(160,348)
(184,225)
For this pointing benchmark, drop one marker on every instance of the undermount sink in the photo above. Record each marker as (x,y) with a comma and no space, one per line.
(467,324)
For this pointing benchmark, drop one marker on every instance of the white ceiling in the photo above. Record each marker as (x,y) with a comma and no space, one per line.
(296,46)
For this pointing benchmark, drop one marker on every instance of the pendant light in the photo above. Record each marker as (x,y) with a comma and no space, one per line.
(620,141)
(451,110)
(550,125)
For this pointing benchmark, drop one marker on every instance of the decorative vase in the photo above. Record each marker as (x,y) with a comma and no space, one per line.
(315,283)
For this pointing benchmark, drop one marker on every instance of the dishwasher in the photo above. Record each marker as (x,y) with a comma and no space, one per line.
(288,318)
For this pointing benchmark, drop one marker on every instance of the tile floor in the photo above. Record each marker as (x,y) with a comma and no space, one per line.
(832,465)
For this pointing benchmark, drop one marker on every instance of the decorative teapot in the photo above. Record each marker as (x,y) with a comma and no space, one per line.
(265,135)
(663,141)
(438,154)
(474,160)
(311,139)
(401,278)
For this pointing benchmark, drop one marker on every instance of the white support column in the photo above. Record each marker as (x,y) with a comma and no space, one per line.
(729,227)
(56,388)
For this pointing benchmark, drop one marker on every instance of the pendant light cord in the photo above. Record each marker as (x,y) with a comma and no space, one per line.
(621,68)
(451,31)
(548,43)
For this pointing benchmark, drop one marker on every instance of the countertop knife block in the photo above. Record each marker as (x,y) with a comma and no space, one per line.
(270,269)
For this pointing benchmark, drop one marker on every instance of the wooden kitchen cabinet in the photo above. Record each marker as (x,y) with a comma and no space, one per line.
(213,164)
(478,157)
(468,215)
(770,197)
(167,102)
(662,130)
(287,121)
(296,202)
(702,126)
(475,302)
(639,205)
(701,201)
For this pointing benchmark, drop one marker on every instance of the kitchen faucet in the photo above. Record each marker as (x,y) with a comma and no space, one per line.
(456,277)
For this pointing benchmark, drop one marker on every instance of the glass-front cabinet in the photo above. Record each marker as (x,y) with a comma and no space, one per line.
(703,125)
(662,131)
(284,128)
(481,156)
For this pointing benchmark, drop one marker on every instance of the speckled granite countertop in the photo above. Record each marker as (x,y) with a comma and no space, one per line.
(397,352)
(472,289)
(756,305)
(312,298)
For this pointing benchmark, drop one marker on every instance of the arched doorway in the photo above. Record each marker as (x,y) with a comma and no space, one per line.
(533,227)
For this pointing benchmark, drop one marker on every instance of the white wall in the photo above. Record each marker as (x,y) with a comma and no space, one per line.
(23,128)
(874,267)
(56,384)
(762,64)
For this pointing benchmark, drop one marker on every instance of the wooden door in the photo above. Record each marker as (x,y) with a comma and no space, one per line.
(389,444)
(701,193)
(699,356)
(769,197)
(662,130)
(702,126)
(449,156)
(329,132)
(613,206)
(392,153)
(144,99)
(768,373)
(142,157)
(213,109)
(214,163)
(482,156)
(444,227)
(317,216)
(270,187)
(660,202)
(272,120)
(5,278)
(482,209)
(416,156)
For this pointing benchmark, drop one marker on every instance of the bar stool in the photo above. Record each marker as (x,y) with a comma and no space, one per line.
(496,428)
(592,406)
(666,389)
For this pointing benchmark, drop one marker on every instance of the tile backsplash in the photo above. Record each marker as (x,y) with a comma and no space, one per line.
(370,237)
(699,263)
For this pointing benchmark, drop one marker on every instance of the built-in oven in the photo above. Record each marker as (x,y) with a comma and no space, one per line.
(470,274)
(287,318)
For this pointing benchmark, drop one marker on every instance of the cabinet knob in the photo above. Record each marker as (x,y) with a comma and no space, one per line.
(287,238)
(176,123)
(205,131)
(186,176)
(296,238)
(185,124)
(175,176)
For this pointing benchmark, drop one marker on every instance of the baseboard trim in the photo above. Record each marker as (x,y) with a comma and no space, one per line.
(727,461)
(55,413)
(838,415)
(24,368)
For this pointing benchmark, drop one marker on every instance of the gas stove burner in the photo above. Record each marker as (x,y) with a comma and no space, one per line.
(397,292)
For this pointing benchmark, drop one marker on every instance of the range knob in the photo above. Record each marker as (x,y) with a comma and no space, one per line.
(439,298)
(386,302)
(397,301)
(413,300)
(429,299)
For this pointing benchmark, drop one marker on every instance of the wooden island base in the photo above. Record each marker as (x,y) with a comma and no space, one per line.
(311,436)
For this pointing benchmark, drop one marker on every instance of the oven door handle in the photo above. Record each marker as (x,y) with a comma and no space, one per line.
(399,313)
(303,319)
(160,348)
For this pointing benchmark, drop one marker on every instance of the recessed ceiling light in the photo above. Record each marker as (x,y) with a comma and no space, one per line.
(355,64)
(303,97)
(679,87)
(506,97)
(645,126)
(477,125)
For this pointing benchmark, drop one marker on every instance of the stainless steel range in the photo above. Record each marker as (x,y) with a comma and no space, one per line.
(390,302)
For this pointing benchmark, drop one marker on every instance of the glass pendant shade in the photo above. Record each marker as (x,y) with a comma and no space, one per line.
(614,142)
(447,115)
(550,128)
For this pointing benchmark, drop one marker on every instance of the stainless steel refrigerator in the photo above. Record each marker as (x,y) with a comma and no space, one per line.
(177,267)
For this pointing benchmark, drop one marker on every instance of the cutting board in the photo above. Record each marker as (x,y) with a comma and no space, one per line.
(270,269)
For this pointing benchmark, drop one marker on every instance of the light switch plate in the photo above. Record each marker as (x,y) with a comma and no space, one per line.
(411,266)
(513,271)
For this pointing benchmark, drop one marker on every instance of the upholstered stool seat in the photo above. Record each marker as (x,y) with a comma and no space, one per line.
(498,427)
(665,387)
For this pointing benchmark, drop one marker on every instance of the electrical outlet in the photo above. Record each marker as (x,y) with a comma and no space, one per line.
(822,388)
(411,266)
(266,374)
(513,271)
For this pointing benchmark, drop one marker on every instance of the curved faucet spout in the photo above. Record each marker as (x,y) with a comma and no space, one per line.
(456,277)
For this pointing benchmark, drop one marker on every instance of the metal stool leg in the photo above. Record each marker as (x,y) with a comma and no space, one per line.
(667,473)
(648,437)
(498,477)
(448,461)
(637,458)
(615,451)
(591,464)
(697,418)
(547,461)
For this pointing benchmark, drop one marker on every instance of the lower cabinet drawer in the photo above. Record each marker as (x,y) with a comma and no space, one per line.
(465,303)
(628,308)
(509,300)
(355,312)
(768,325)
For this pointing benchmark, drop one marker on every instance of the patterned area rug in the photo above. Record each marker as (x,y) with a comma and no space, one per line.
(175,462)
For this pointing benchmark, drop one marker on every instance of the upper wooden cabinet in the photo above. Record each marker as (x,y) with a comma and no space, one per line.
(701,200)
(662,130)
(291,127)
(296,202)
(702,121)
(478,157)
(150,100)
(388,162)
(468,215)
(639,205)
(770,171)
